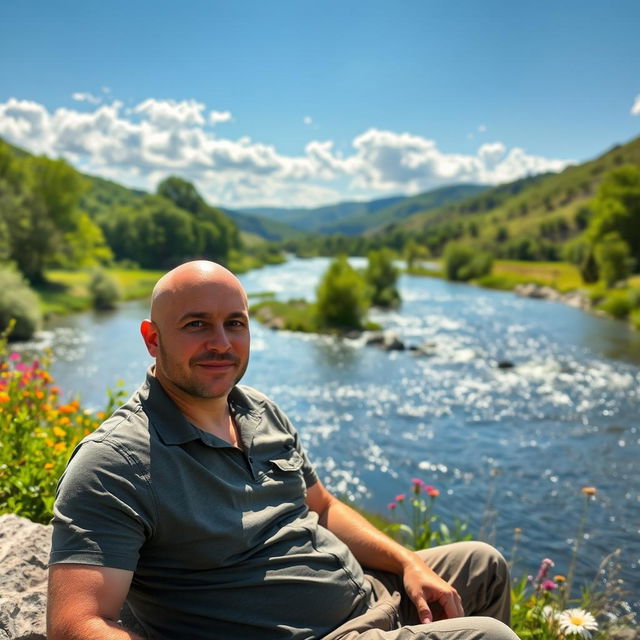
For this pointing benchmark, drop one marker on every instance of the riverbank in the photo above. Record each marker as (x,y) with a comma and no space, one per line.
(556,281)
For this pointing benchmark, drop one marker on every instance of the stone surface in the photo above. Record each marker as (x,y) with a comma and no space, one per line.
(24,551)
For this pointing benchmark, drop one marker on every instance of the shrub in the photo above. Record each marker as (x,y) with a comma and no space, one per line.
(104,290)
(616,304)
(39,432)
(18,303)
(463,263)
(382,276)
(342,297)
(613,257)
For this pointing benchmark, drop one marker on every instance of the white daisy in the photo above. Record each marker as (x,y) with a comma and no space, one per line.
(577,621)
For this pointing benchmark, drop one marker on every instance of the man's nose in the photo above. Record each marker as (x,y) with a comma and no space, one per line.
(217,340)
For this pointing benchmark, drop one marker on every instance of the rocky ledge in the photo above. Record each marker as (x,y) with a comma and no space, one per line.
(572,298)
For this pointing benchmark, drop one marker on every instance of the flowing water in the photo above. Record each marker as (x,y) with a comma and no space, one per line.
(508,448)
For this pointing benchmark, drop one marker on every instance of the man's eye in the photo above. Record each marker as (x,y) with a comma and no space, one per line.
(195,324)
(235,324)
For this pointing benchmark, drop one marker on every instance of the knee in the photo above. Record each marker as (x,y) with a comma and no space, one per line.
(487,557)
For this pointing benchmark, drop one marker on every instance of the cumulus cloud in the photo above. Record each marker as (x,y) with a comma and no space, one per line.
(635,108)
(219,116)
(85,97)
(156,138)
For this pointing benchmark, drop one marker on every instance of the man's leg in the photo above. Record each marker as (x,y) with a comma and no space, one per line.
(480,575)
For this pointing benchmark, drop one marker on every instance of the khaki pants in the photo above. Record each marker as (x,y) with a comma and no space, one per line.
(477,571)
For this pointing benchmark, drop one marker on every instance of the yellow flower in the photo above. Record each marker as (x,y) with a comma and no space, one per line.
(559,578)
(589,491)
(4,397)
(49,466)
(60,433)
(59,446)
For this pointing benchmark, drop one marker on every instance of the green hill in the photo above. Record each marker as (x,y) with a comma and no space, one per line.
(531,218)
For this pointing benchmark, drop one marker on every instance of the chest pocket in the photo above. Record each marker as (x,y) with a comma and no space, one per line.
(291,462)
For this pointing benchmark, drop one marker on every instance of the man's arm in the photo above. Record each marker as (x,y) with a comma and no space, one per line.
(375,550)
(85,601)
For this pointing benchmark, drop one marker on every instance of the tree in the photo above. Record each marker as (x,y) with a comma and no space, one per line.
(382,276)
(462,263)
(613,257)
(342,299)
(616,209)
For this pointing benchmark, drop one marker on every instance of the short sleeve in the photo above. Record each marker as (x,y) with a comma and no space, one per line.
(104,509)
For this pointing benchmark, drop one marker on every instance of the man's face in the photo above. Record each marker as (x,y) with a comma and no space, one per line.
(202,345)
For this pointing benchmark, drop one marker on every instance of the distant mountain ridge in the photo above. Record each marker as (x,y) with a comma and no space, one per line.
(355,218)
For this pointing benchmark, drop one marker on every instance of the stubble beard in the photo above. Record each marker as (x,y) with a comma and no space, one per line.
(188,384)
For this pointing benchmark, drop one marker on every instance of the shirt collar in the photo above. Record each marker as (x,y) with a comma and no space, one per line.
(172,426)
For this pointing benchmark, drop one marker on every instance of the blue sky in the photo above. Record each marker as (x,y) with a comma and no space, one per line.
(301,103)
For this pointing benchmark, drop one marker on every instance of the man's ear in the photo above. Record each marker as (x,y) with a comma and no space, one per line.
(150,336)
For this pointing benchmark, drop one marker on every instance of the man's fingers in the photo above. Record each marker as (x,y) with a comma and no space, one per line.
(452,605)
(424,613)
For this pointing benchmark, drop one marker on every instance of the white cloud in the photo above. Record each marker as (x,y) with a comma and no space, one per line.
(635,109)
(219,116)
(86,97)
(171,113)
(156,138)
(307,120)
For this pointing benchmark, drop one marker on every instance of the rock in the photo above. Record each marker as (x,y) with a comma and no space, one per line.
(24,551)
(392,342)
(505,364)
(376,338)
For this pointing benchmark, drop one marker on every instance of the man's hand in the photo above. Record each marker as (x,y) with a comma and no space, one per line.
(423,585)
(375,550)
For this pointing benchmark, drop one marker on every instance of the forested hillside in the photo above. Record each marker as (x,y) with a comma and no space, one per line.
(53,216)
(530,219)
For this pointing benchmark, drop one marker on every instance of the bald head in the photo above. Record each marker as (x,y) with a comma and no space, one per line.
(188,278)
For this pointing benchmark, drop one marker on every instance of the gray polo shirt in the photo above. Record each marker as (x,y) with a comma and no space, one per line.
(220,540)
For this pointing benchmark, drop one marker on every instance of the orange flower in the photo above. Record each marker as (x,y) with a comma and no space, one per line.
(49,466)
(559,578)
(589,491)
(67,408)
(39,394)
(55,390)
(60,433)
(59,446)
(64,421)
(4,397)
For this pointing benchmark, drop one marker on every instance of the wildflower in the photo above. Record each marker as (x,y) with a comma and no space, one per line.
(542,571)
(589,491)
(549,613)
(433,492)
(392,506)
(559,578)
(578,622)
(49,466)
(14,356)
(417,485)
(4,397)
(549,585)
(517,531)
(60,433)
(22,366)
(400,497)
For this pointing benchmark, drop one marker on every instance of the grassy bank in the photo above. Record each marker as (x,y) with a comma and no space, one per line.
(67,291)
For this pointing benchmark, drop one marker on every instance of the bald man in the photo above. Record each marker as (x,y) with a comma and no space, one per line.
(196,503)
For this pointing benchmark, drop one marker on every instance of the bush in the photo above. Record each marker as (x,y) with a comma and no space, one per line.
(617,305)
(39,432)
(342,297)
(382,276)
(104,290)
(18,303)
(463,263)
(613,257)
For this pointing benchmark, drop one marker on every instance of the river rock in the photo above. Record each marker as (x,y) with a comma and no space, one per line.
(574,298)
(24,551)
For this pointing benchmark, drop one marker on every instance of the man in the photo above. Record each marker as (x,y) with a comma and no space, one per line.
(196,503)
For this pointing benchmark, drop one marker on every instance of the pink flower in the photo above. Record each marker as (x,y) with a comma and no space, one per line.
(400,497)
(432,492)
(392,506)
(549,585)
(543,570)
(417,482)
(14,356)
(21,366)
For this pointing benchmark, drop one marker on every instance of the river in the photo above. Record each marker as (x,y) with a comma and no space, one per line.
(507,448)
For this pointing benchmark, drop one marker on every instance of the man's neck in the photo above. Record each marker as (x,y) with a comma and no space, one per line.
(209,414)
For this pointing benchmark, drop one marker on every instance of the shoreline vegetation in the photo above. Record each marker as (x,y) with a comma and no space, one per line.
(34,421)
(67,291)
